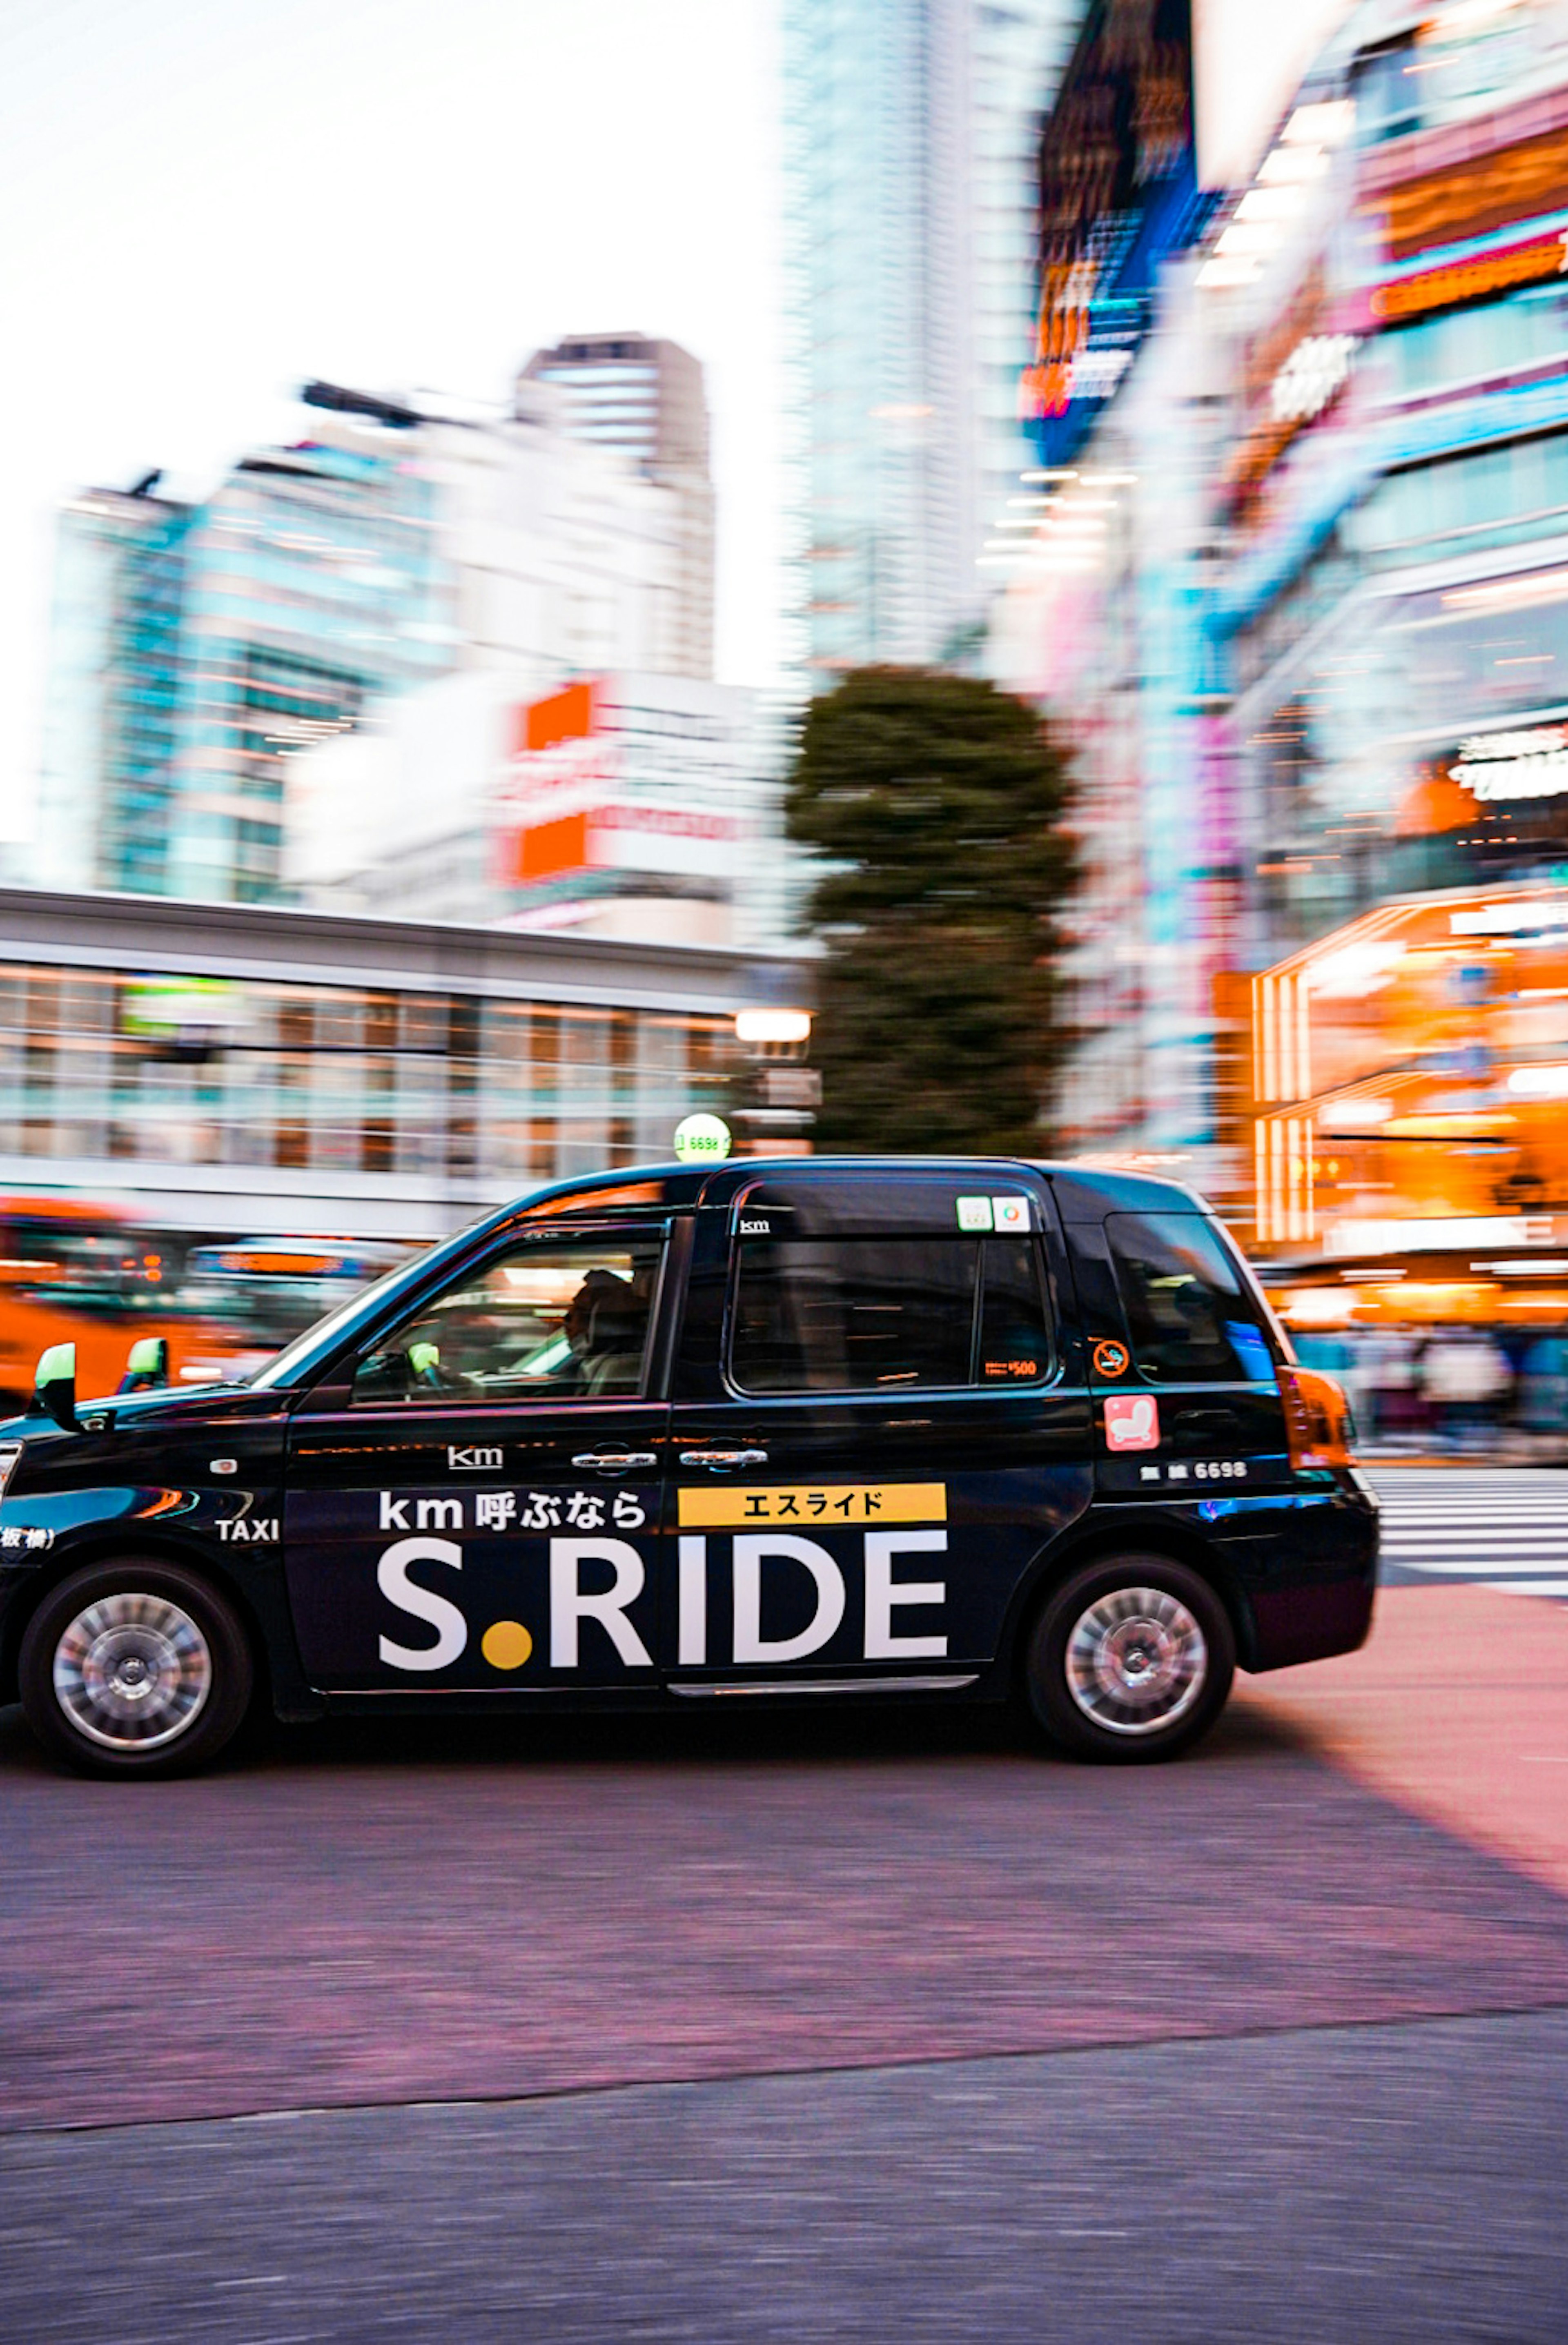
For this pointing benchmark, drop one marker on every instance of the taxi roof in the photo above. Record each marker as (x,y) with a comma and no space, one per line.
(1084,1192)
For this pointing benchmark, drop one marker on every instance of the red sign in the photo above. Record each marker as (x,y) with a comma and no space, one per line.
(566,716)
(1132,1421)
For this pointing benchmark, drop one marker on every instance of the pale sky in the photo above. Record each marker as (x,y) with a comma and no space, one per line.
(203,203)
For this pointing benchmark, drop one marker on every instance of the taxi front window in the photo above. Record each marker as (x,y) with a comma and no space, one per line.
(536,1322)
(1189,1316)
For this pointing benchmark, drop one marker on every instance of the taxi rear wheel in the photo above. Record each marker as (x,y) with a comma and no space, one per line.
(1131,1659)
(136,1667)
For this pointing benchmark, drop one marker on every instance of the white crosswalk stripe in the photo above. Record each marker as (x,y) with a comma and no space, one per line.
(1505,1528)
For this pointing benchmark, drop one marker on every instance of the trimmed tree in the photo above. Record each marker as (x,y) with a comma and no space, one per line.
(938,803)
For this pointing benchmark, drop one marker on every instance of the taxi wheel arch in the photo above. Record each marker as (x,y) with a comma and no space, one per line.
(188,1611)
(1104,1540)
(1088,1590)
(103,1547)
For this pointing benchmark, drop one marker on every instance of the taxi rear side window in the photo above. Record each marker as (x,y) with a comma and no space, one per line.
(877,1314)
(1189,1317)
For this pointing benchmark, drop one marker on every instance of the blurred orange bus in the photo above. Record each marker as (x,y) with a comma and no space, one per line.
(75,1271)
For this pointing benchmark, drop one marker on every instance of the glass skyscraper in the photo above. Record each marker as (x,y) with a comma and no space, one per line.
(313,585)
(196,648)
(110,722)
(911,129)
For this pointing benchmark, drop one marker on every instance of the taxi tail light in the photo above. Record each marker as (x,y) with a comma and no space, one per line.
(1319,1426)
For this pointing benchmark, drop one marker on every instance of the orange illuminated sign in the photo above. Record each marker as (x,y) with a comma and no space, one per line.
(1468,280)
(566,716)
(1493,191)
(546,849)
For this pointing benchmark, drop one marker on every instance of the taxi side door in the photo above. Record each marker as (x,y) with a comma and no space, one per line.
(880,1421)
(1182,1362)
(473,1499)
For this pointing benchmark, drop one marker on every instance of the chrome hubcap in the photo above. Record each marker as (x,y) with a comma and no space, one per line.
(132,1671)
(1137,1660)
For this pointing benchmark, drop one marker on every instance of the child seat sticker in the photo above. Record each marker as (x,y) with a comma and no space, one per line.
(1132,1421)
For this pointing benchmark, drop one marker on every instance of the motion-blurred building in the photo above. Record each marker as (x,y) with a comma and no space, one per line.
(623,805)
(1298,595)
(644,398)
(199,648)
(908,143)
(227,1068)
(1103,562)
(110,724)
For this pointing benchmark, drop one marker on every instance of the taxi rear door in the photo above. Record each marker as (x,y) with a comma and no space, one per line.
(1183,1360)
(474,1498)
(880,1422)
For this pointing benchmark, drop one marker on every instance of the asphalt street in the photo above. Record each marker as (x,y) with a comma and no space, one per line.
(883,2028)
(1349,2184)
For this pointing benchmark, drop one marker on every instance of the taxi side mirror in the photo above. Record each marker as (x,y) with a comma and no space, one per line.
(55,1387)
(148,1365)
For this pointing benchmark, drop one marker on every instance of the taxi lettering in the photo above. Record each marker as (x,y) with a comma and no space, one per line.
(429,1514)
(513,1510)
(756,1558)
(751,1551)
(250,1530)
(570,1602)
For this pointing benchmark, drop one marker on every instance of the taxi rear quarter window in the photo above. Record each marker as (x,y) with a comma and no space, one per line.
(1189,1314)
(855,1314)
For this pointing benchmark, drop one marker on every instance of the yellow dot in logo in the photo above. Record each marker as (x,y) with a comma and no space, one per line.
(506,1644)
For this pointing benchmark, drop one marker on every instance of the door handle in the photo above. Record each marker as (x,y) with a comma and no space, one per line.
(612,1461)
(723,1457)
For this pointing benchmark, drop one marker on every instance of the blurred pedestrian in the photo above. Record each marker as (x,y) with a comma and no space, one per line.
(1542,1403)
(1465,1378)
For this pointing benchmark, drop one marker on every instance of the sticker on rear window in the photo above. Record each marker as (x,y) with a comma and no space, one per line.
(1010,1212)
(974,1213)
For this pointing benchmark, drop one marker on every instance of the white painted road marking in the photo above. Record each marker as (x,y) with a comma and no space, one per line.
(1505,1527)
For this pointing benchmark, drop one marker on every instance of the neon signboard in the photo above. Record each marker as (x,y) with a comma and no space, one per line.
(1119,193)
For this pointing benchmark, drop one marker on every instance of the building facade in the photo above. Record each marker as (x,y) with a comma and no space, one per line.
(1297,598)
(199,649)
(231,1068)
(110,724)
(643,398)
(624,803)
(909,139)
(314,586)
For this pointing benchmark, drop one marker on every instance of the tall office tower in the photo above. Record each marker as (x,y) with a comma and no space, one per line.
(911,127)
(313,588)
(643,398)
(196,648)
(109,722)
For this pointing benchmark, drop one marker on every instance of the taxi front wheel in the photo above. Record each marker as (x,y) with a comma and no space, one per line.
(1132,1659)
(135,1667)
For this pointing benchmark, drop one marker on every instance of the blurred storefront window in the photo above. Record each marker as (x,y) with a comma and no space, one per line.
(411,1100)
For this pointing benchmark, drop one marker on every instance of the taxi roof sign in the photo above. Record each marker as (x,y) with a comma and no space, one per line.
(702,1140)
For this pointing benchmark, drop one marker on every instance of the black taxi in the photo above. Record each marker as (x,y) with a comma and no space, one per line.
(813,1430)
